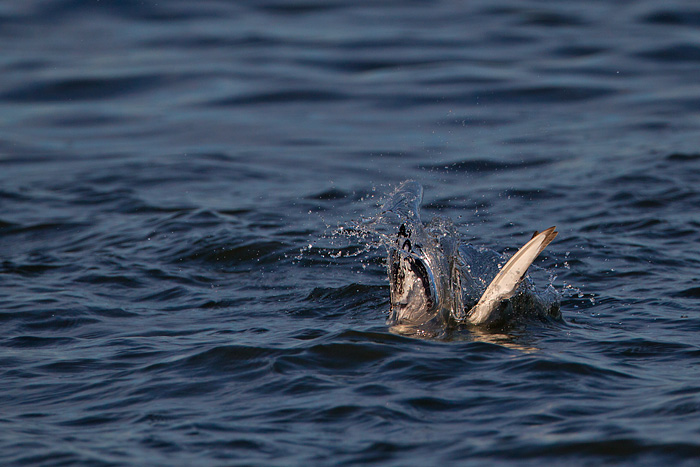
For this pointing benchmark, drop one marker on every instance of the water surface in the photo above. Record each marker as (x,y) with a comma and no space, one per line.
(171,175)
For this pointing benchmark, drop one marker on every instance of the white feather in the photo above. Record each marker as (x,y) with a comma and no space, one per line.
(504,285)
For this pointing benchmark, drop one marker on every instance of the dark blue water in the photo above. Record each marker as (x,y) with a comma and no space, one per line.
(171,175)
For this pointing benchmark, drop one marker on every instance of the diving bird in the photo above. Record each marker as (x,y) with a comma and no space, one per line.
(434,280)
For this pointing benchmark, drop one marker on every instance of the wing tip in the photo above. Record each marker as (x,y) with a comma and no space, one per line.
(551,234)
(550,231)
(484,309)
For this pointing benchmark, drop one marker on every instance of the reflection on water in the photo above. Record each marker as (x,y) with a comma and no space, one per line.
(471,334)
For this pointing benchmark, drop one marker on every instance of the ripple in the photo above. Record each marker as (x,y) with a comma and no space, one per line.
(550,19)
(683,157)
(675,17)
(610,450)
(543,94)
(558,370)
(26,270)
(674,53)
(282,8)
(244,254)
(75,365)
(329,195)
(341,294)
(59,323)
(290,96)
(38,341)
(344,357)
(578,51)
(231,357)
(484,165)
(81,89)
(691,292)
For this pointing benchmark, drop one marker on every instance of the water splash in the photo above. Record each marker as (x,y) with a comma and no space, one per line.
(441,278)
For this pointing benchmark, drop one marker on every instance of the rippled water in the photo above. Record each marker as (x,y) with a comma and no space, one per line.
(172,175)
